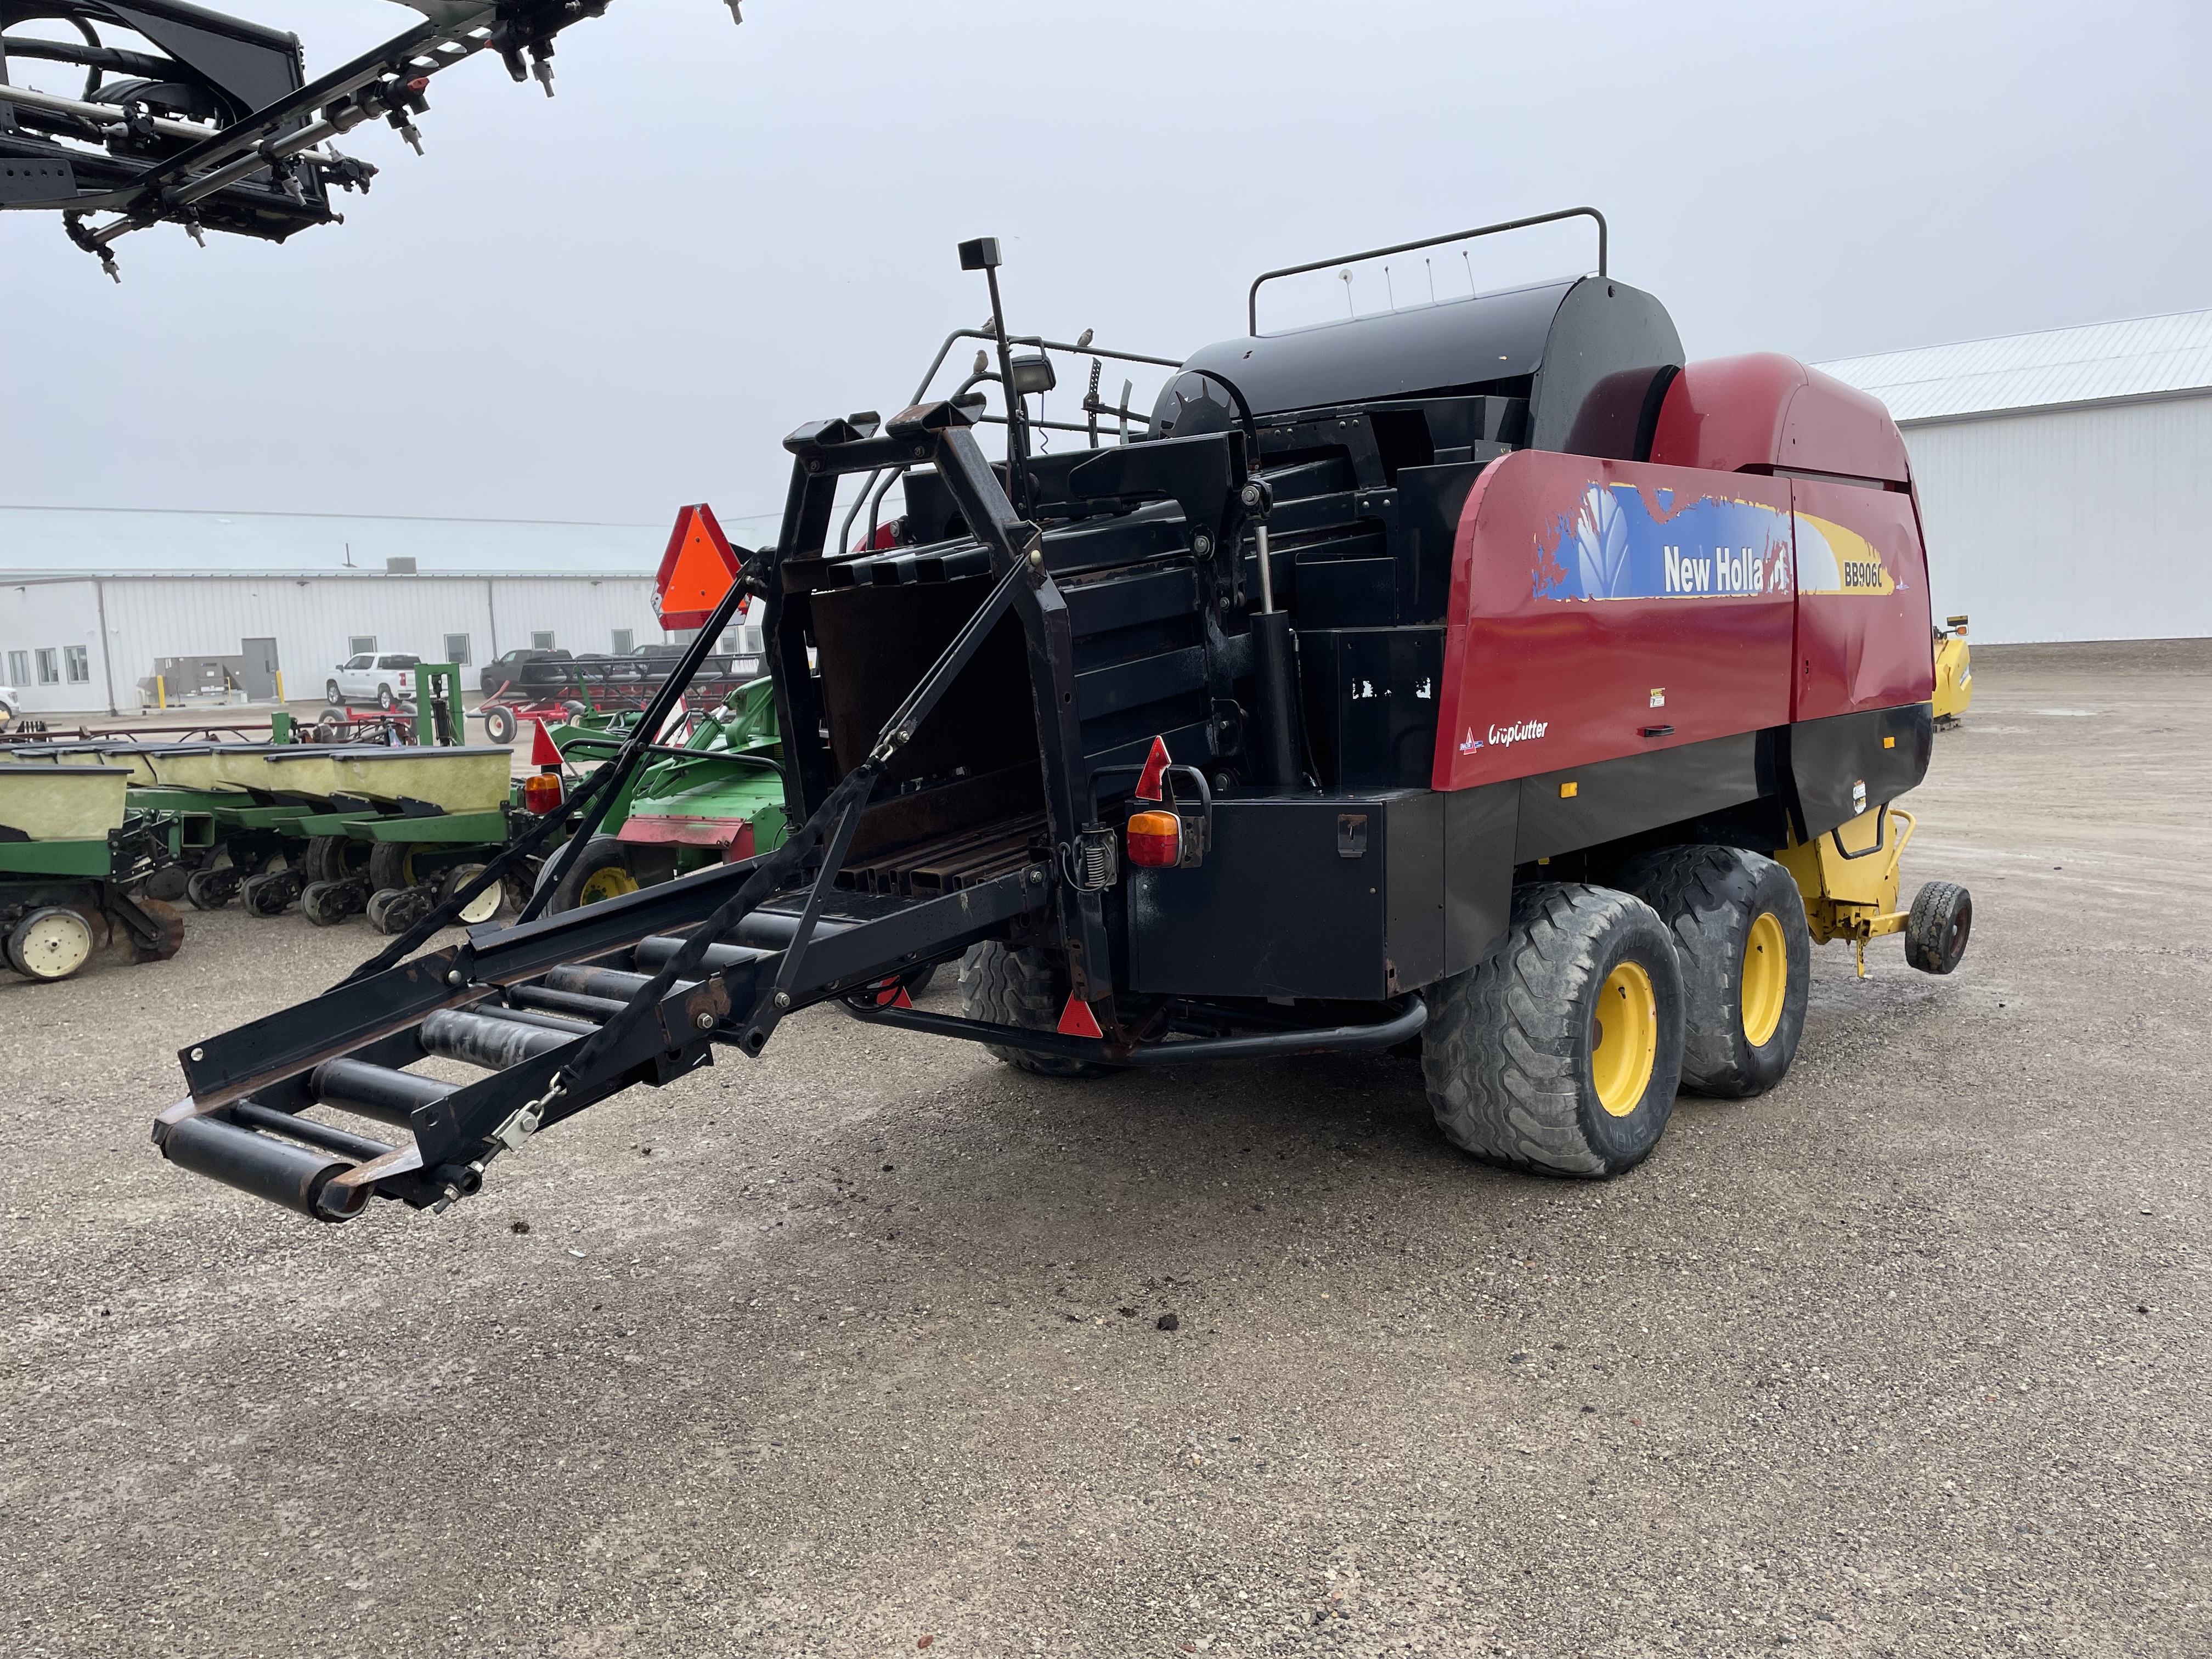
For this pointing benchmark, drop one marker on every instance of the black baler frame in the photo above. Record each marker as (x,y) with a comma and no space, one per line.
(242,1120)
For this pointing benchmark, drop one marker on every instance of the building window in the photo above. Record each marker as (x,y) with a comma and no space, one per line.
(49,672)
(625,642)
(541,642)
(361,645)
(19,668)
(79,664)
(457,649)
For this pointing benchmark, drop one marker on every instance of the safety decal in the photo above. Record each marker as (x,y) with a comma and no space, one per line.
(1622,543)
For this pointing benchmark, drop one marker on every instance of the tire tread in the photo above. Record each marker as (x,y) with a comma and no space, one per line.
(1499,1053)
(1018,988)
(1696,890)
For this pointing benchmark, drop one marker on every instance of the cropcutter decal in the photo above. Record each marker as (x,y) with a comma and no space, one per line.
(1620,543)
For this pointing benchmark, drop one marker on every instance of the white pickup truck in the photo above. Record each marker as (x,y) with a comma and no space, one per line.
(383,678)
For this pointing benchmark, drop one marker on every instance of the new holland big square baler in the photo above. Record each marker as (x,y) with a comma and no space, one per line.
(1477,678)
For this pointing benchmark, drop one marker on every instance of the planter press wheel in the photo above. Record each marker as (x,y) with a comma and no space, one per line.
(50,943)
(323,904)
(379,902)
(212,888)
(270,893)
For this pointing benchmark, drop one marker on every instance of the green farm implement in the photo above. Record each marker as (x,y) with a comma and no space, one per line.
(73,860)
(712,793)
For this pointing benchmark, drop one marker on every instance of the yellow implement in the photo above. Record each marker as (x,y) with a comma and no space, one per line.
(1850,877)
(473,779)
(188,766)
(1954,673)
(131,756)
(44,802)
(246,765)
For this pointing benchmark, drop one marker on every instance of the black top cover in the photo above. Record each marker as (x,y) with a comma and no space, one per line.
(1586,352)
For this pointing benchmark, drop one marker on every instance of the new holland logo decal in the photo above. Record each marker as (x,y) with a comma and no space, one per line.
(1618,542)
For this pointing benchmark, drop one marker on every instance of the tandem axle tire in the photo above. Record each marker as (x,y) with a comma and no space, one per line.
(1738,923)
(1026,988)
(1937,927)
(1560,1052)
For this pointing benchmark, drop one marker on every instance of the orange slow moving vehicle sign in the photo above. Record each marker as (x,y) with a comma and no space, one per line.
(696,571)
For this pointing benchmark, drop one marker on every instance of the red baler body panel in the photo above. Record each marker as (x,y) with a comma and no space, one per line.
(1596,603)
(1863,625)
(1766,411)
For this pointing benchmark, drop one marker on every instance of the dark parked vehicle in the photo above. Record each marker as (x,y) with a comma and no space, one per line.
(508,668)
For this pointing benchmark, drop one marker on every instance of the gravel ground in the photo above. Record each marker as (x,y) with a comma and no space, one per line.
(860,1349)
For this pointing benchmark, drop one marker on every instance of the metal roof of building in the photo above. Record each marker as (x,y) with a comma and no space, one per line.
(79,541)
(2143,356)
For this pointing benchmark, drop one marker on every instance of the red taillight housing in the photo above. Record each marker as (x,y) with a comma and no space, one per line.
(541,792)
(1155,839)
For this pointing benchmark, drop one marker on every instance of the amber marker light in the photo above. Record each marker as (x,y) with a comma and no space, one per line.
(1155,839)
(541,792)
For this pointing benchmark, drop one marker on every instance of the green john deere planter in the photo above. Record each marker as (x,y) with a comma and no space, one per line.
(73,859)
(715,796)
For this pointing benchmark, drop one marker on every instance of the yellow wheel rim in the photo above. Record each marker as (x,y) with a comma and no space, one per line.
(1766,977)
(610,883)
(1623,1039)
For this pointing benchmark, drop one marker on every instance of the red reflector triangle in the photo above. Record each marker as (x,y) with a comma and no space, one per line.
(894,997)
(543,751)
(696,571)
(1076,1019)
(1149,782)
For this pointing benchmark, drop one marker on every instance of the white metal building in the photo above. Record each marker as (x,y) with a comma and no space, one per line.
(2065,476)
(91,600)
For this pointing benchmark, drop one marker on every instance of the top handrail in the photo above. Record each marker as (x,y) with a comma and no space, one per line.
(1252,299)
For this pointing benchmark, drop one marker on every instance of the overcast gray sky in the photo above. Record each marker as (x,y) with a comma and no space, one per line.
(609,303)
